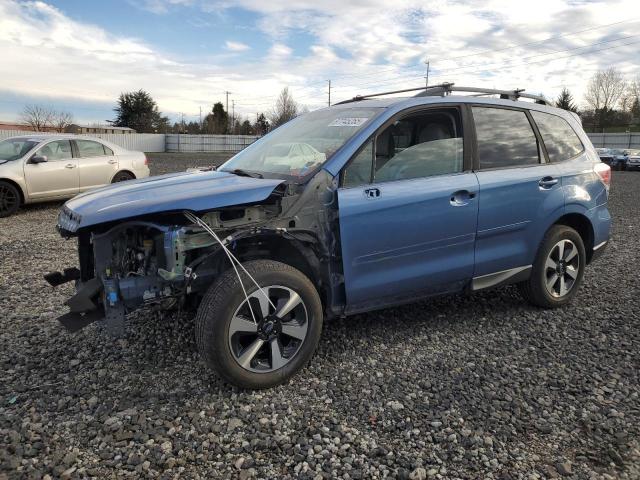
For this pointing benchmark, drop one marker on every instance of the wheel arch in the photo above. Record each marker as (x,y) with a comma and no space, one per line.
(123,171)
(21,192)
(581,224)
(301,255)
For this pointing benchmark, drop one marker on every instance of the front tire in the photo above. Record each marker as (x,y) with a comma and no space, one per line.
(278,344)
(9,199)
(557,270)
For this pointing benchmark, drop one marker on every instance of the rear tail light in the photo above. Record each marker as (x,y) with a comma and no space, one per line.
(146,159)
(604,172)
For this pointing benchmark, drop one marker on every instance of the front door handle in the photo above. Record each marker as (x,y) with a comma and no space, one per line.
(547,182)
(372,192)
(461,197)
(69,165)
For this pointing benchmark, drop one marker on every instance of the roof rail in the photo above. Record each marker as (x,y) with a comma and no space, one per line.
(445,89)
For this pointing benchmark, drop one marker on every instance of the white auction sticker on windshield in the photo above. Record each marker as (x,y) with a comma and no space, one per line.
(348,122)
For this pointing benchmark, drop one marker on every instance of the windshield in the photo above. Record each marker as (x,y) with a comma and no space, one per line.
(617,152)
(298,147)
(13,149)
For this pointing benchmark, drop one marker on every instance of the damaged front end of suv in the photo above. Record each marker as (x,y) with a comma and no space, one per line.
(163,259)
(252,247)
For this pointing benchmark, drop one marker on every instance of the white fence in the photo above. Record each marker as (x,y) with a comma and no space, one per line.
(615,140)
(158,142)
(142,142)
(208,143)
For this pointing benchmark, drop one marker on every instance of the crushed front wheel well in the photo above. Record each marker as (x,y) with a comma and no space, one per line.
(280,247)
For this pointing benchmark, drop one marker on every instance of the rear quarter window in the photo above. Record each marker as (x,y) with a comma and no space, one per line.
(558,136)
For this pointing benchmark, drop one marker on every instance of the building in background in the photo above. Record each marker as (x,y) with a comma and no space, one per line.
(22,127)
(93,129)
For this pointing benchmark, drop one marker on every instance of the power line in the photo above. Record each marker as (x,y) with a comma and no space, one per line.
(501,64)
(364,75)
(555,37)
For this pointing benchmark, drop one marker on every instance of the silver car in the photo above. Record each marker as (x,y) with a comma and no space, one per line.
(633,159)
(37,168)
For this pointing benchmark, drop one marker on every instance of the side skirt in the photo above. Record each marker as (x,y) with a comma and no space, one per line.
(512,275)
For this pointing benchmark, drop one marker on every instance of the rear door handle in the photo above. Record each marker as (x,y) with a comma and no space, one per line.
(69,165)
(112,161)
(547,182)
(461,197)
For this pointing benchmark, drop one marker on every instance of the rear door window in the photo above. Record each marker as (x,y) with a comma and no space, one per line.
(505,138)
(561,140)
(87,148)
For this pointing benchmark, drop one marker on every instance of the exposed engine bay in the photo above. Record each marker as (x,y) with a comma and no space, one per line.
(169,261)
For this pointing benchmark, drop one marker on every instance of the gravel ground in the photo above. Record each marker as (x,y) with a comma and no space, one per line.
(482,386)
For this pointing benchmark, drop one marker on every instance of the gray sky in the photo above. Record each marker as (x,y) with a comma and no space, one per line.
(78,56)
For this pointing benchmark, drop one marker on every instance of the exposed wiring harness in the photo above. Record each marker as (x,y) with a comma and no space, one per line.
(234,261)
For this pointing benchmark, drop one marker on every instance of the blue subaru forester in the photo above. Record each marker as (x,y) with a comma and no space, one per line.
(363,205)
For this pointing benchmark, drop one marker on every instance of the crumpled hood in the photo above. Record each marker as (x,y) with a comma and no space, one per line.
(164,193)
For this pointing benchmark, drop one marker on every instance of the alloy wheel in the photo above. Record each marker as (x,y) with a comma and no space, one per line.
(273,339)
(562,268)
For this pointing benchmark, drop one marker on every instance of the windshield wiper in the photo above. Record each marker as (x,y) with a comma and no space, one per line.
(246,173)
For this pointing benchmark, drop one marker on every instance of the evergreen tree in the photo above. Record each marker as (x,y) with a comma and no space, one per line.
(261,127)
(217,121)
(246,128)
(139,111)
(565,101)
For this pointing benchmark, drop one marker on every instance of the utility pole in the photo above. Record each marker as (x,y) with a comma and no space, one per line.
(182,122)
(227,109)
(200,119)
(426,85)
(329,102)
(233,115)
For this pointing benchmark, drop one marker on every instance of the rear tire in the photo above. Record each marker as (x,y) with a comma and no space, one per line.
(122,177)
(9,199)
(268,352)
(557,270)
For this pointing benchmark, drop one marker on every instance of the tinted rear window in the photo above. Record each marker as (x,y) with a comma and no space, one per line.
(561,140)
(505,138)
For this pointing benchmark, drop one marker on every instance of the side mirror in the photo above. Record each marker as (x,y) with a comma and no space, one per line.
(38,159)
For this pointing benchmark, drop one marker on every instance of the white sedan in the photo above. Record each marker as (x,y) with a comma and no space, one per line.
(37,168)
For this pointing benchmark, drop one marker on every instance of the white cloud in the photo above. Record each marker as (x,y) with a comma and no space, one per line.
(236,46)
(279,51)
(362,45)
(159,6)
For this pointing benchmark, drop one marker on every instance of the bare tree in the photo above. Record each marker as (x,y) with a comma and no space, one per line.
(37,117)
(284,110)
(61,120)
(632,94)
(605,89)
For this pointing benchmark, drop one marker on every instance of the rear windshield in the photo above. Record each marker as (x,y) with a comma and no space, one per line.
(13,149)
